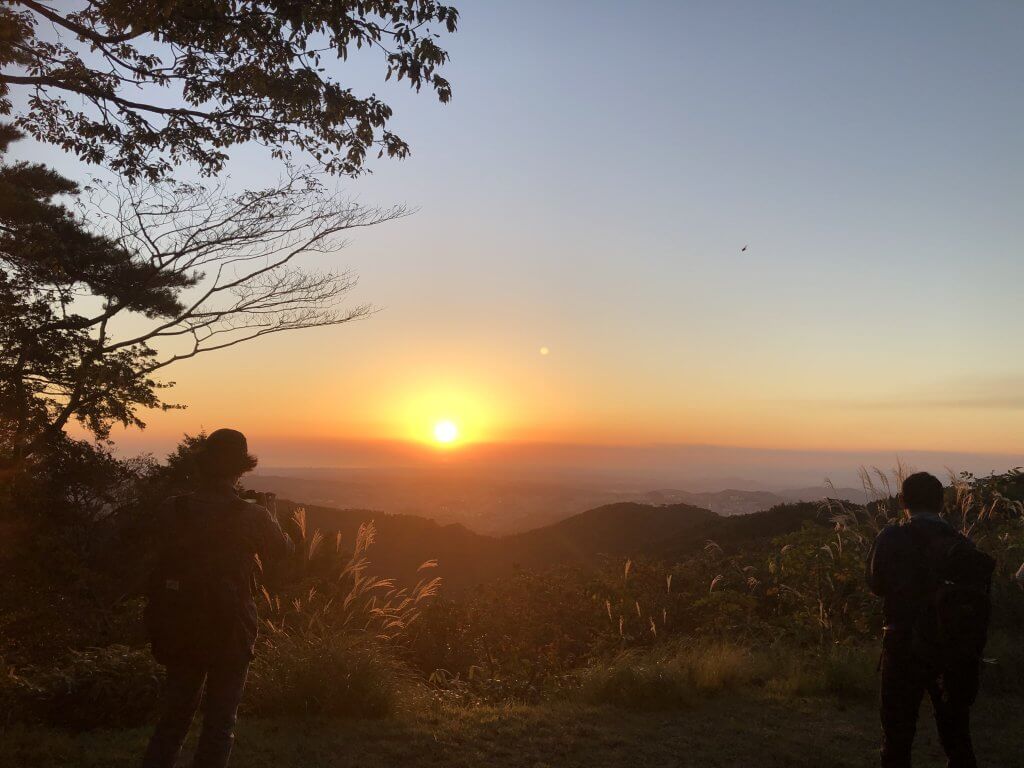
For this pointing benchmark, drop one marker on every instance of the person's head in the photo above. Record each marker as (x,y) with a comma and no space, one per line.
(922,492)
(224,456)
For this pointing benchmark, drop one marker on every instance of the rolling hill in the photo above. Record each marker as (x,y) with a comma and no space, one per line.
(499,504)
(625,529)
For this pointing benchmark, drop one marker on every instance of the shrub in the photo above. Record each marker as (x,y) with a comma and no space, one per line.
(333,648)
(674,677)
(849,673)
(723,666)
(671,677)
(843,673)
(339,676)
(640,683)
(112,686)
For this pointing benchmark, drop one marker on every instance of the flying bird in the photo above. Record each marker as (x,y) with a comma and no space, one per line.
(743,249)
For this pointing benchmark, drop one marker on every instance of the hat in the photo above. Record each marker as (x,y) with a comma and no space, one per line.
(224,452)
(226,442)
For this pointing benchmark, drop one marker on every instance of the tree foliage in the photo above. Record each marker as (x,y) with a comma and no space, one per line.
(94,302)
(235,71)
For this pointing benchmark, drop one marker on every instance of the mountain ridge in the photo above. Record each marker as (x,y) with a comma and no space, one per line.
(496,505)
(622,530)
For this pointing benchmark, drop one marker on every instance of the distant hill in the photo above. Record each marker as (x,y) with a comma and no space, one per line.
(626,529)
(622,530)
(495,505)
(736,502)
(818,493)
(727,502)
(499,505)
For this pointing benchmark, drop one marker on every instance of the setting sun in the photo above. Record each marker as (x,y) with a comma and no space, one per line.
(446,431)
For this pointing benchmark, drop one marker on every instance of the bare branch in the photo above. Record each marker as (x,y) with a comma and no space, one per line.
(209,271)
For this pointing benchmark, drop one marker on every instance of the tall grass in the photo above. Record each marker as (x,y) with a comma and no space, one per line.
(672,677)
(339,676)
(682,675)
(841,673)
(347,599)
(335,648)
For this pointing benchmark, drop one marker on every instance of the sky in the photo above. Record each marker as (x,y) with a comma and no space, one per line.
(590,190)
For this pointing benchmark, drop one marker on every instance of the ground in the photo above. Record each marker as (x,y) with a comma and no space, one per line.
(728,730)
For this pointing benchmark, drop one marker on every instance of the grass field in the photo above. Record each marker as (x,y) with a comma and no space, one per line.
(734,730)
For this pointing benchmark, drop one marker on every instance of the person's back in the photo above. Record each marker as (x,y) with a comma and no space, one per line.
(200,592)
(200,615)
(909,567)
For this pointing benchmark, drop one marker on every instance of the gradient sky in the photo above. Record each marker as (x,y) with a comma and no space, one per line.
(589,190)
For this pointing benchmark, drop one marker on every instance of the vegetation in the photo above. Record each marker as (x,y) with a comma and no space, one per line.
(780,616)
(148,271)
(629,634)
(240,71)
(193,270)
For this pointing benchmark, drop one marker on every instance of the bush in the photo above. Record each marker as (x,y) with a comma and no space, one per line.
(639,683)
(112,686)
(672,677)
(338,676)
(723,666)
(850,673)
(675,677)
(843,673)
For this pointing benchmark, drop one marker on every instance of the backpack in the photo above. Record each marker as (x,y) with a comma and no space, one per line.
(954,602)
(194,609)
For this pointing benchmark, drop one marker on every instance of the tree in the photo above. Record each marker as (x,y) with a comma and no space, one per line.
(195,269)
(238,70)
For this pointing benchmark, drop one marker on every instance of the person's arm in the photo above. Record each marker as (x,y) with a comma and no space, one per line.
(888,561)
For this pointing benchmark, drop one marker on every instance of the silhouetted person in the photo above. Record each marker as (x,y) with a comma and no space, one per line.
(935,586)
(201,616)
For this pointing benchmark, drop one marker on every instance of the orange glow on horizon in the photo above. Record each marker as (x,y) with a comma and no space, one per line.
(444,415)
(557,399)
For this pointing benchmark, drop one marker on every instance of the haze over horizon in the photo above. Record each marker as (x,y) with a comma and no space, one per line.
(691,467)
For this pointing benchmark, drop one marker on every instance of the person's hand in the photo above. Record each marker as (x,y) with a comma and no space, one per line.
(266,500)
(269,501)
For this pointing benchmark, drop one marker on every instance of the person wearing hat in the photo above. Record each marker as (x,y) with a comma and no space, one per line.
(200,613)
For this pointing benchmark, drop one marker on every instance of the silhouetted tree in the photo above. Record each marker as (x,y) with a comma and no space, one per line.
(235,70)
(193,269)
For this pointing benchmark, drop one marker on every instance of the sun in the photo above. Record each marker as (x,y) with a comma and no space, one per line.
(446,431)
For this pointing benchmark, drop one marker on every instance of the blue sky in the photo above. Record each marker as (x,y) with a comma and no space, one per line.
(590,189)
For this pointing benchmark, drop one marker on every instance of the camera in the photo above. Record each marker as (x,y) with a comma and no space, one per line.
(266,500)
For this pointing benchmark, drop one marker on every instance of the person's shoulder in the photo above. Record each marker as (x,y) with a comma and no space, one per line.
(251,510)
(171,513)
(891,532)
(935,527)
(891,536)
